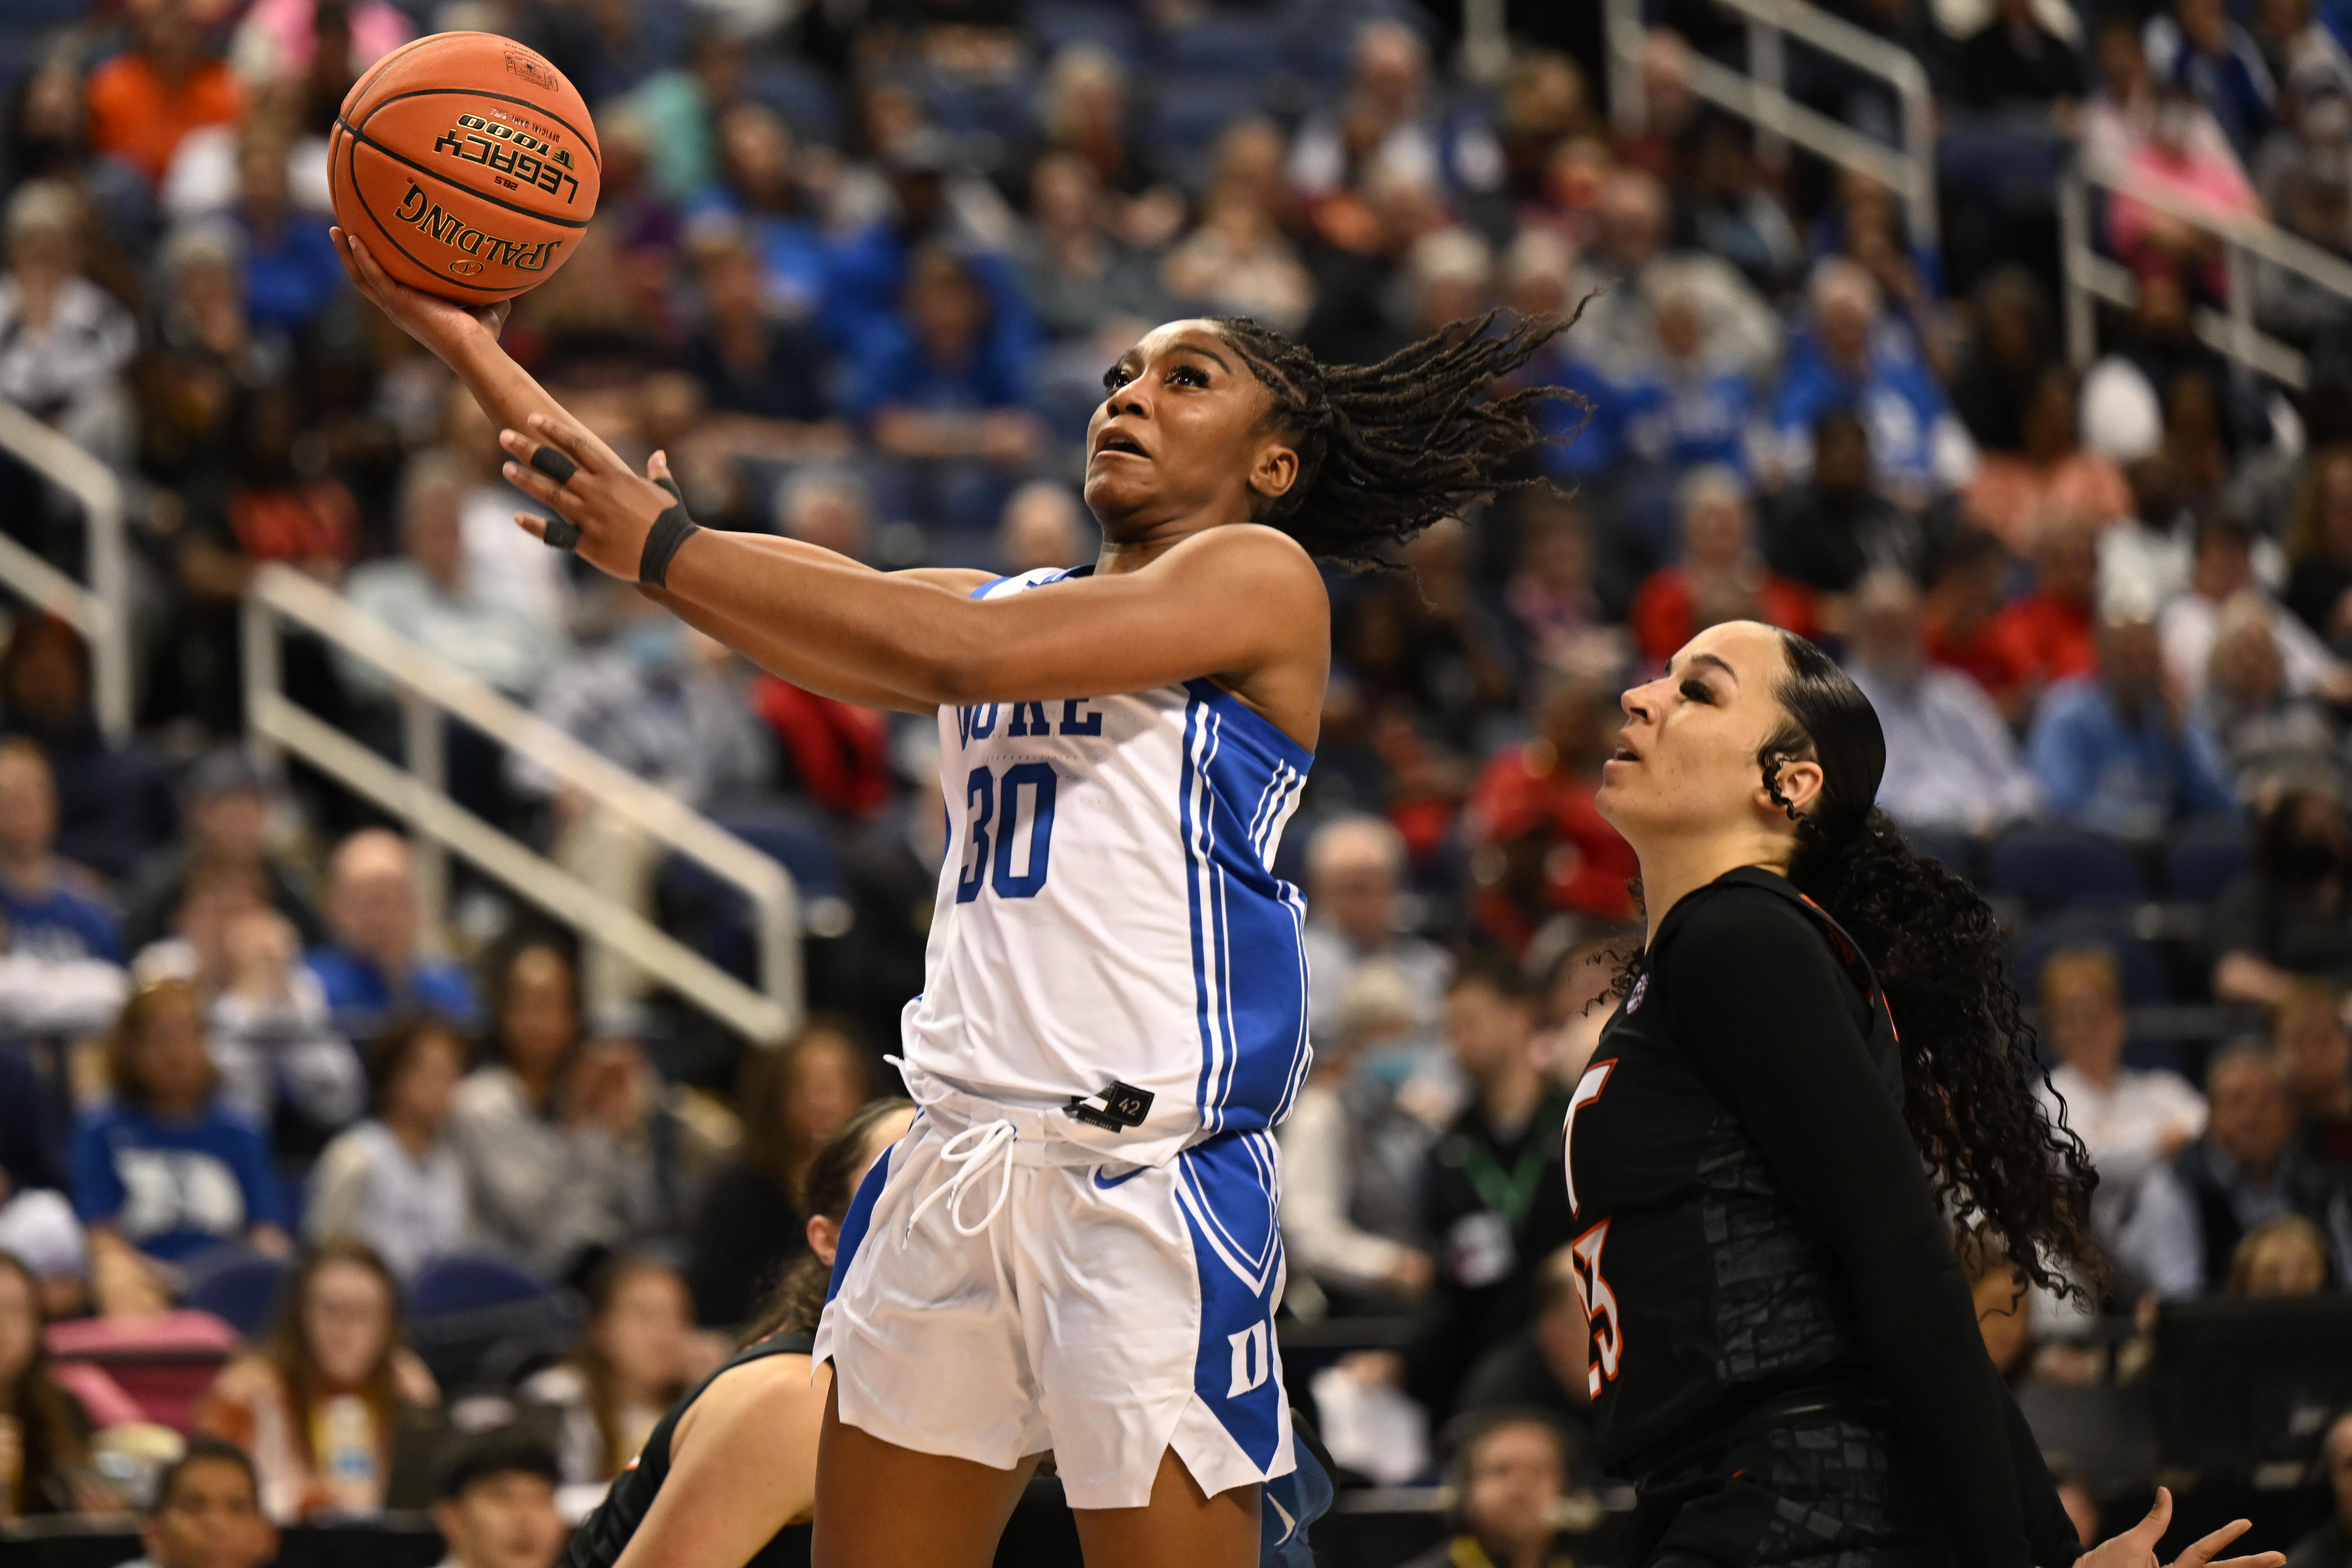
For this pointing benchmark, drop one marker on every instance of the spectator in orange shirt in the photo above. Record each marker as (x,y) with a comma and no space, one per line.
(2052,633)
(143,100)
(1538,845)
(1964,599)
(2017,495)
(1721,576)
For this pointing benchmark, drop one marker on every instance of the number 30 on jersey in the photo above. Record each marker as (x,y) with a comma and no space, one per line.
(1600,1301)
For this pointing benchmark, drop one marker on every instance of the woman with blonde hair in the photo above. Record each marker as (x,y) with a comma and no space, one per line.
(317,1406)
(2287,1256)
(639,1353)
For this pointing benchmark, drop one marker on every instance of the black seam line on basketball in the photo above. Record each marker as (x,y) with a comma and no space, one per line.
(393,239)
(587,138)
(361,136)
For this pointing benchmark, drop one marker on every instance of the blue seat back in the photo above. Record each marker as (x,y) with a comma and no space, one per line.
(2052,867)
(242,1293)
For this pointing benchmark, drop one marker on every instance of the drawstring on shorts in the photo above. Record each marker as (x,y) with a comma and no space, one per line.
(972,1152)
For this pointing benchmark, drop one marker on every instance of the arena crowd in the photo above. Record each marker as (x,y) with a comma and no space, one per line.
(858,267)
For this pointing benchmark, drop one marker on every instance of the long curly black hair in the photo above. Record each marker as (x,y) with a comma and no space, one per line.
(2003,1169)
(1387,449)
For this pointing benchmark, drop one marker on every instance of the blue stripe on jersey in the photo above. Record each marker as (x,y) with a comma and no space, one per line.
(1240,778)
(853,1225)
(1229,1191)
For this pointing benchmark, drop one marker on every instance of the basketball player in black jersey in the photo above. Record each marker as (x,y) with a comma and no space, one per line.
(1816,1072)
(727,1479)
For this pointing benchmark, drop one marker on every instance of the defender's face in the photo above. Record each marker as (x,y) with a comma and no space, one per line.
(1685,758)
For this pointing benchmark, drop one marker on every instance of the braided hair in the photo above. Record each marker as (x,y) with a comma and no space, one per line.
(1386,449)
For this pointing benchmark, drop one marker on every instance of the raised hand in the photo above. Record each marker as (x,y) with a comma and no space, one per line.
(442,326)
(2136,1547)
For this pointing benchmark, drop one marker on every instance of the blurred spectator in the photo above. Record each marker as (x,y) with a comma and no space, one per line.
(1619,332)
(2051,633)
(2264,731)
(1510,1477)
(2013,62)
(663,702)
(1537,847)
(636,1358)
(227,811)
(750,1227)
(1046,526)
(1846,361)
(760,185)
(2191,1211)
(829,508)
(284,1065)
(1355,871)
(374,968)
(2314,1051)
(54,909)
(1731,212)
(1825,532)
(2287,913)
(317,1405)
(64,342)
(2174,160)
(569,1146)
(1388,116)
(2283,1257)
(2330,1544)
(166,1168)
(1555,614)
(2198,45)
(2318,547)
(1688,411)
(2012,345)
(44,1431)
(2116,752)
(501,560)
(1720,577)
(1950,761)
(1238,261)
(1495,1199)
(114,805)
(208,1511)
(426,595)
(753,362)
(143,100)
(2017,496)
(1965,631)
(2223,567)
(495,1506)
(1078,271)
(292,274)
(394,1182)
(1349,1224)
(2129,1119)
(1545,1366)
(31,1162)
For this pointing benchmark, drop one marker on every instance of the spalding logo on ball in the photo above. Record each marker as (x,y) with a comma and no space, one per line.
(468,164)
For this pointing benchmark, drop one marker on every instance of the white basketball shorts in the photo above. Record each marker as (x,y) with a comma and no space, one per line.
(1107,1313)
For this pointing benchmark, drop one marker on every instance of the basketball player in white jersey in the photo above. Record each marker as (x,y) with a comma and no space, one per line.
(1074,1247)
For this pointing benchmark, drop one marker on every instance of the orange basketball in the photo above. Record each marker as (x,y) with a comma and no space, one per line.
(468,165)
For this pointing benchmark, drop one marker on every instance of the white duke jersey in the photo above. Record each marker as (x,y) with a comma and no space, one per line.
(1108,912)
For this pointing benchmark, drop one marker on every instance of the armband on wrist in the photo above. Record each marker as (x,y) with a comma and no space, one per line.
(672,528)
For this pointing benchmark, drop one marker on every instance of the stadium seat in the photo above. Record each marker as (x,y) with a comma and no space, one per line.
(1221,43)
(472,1316)
(2145,983)
(2049,868)
(2204,859)
(241,1290)
(1059,25)
(1954,848)
(448,1285)
(162,1364)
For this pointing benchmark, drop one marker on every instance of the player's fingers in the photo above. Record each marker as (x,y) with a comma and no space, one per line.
(373,278)
(576,442)
(538,486)
(342,242)
(657,466)
(532,524)
(2150,1529)
(2201,1552)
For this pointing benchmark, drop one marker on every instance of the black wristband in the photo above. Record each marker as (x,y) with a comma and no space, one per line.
(671,530)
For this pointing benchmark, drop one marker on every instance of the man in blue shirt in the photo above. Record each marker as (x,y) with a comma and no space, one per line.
(372,970)
(2115,752)
(54,909)
(1852,359)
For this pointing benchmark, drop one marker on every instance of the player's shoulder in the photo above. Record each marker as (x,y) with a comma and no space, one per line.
(1749,915)
(1249,557)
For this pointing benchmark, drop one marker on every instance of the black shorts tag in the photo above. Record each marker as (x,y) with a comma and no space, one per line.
(1123,1106)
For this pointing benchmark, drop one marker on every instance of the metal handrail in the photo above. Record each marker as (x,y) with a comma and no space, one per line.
(100,611)
(1760,96)
(2088,275)
(430,691)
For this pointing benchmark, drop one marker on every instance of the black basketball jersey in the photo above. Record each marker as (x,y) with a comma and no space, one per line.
(605,1534)
(1709,1295)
